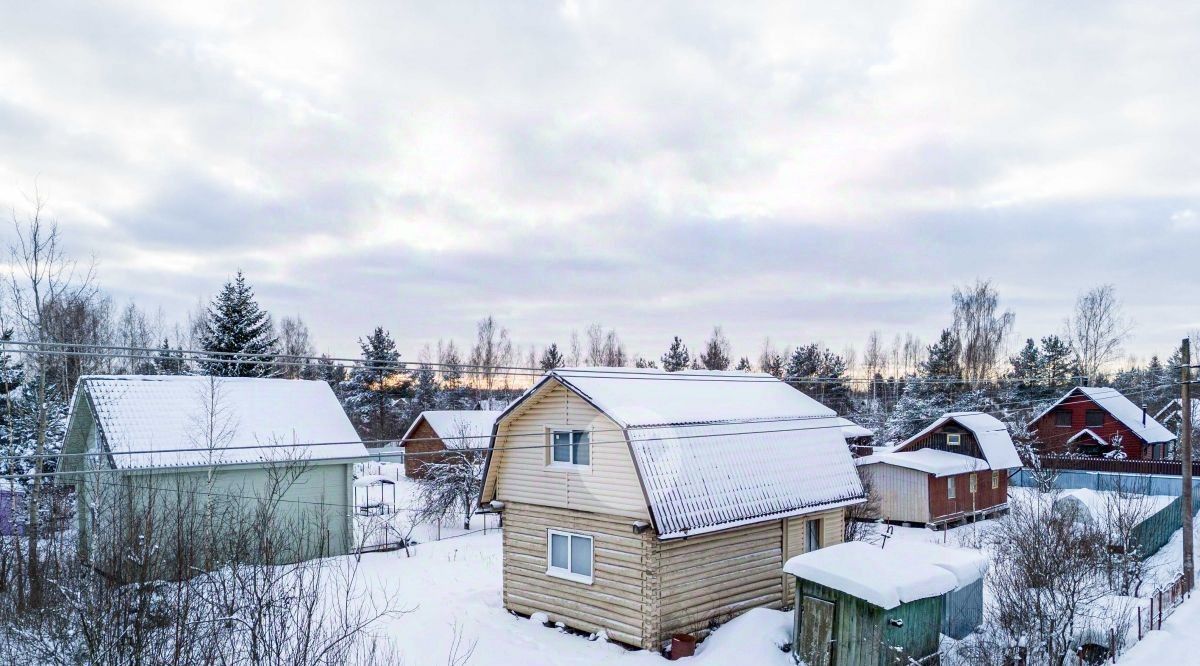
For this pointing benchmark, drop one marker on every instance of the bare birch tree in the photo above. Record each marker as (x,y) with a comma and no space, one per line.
(980,328)
(1097,329)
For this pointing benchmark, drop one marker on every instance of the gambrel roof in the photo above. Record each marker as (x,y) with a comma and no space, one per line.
(716,450)
(155,421)
(992,435)
(1122,409)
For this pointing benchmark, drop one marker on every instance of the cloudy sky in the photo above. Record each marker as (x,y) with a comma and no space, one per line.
(798,170)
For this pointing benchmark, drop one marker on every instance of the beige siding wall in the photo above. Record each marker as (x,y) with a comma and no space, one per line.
(833,524)
(615,600)
(903,493)
(524,474)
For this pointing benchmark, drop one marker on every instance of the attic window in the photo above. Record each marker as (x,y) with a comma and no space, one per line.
(1062,419)
(571,447)
(953,439)
(1095,418)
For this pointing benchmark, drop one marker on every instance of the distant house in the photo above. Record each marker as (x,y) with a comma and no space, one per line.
(955,469)
(436,431)
(855,434)
(1100,422)
(1171,415)
(644,503)
(178,447)
(859,604)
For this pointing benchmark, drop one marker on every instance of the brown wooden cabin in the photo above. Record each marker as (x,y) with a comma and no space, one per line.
(1097,421)
(436,431)
(953,470)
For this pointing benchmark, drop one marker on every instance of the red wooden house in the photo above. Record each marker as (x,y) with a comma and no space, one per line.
(1100,422)
(957,468)
(437,431)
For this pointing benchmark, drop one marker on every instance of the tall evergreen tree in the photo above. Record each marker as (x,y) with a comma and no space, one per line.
(552,358)
(677,357)
(743,365)
(169,361)
(716,351)
(235,324)
(1027,364)
(1058,363)
(942,361)
(374,389)
(424,393)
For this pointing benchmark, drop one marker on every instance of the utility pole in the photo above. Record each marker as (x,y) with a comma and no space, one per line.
(1185,454)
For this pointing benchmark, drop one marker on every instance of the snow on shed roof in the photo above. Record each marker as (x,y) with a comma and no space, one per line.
(992,435)
(1122,409)
(880,576)
(850,429)
(164,416)
(648,396)
(930,461)
(450,423)
(715,450)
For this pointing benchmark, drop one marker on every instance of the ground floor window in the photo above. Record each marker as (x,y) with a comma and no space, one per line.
(995,480)
(950,487)
(569,556)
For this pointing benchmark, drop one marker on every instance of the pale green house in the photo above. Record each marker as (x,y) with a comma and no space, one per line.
(171,466)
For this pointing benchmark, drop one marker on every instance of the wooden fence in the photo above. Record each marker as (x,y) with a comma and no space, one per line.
(1128,466)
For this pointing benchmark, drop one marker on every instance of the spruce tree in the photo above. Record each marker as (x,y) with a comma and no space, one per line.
(425,392)
(236,325)
(169,361)
(552,358)
(677,357)
(372,393)
(744,365)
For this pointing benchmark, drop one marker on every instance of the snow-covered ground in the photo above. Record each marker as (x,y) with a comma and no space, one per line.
(451,590)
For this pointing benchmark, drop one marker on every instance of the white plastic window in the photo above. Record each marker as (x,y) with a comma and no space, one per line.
(569,556)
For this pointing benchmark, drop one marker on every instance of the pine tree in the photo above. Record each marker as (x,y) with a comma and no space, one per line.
(1058,363)
(942,362)
(744,365)
(551,358)
(236,325)
(805,362)
(169,361)
(772,364)
(677,357)
(716,351)
(372,393)
(424,393)
(643,363)
(1027,364)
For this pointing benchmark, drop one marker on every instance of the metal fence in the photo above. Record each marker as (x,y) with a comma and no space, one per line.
(1127,466)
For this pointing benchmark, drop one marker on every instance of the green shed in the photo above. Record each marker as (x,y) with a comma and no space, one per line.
(859,605)
(186,465)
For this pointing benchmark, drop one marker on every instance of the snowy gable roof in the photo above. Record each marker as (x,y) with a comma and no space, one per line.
(716,450)
(931,461)
(992,435)
(648,396)
(1087,432)
(882,577)
(171,421)
(451,424)
(1122,409)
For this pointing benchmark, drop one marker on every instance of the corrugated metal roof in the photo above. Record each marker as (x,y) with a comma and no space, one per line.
(190,421)
(1122,409)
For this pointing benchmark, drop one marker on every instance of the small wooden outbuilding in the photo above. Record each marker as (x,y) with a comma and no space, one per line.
(439,430)
(955,469)
(856,604)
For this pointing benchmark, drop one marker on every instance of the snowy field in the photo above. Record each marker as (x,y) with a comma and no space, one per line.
(451,592)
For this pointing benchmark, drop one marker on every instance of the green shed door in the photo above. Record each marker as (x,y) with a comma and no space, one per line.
(816,631)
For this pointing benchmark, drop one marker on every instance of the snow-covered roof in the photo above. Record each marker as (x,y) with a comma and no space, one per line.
(967,564)
(450,424)
(1094,506)
(1172,410)
(648,396)
(851,430)
(1122,409)
(1087,432)
(880,576)
(715,450)
(173,421)
(930,461)
(992,435)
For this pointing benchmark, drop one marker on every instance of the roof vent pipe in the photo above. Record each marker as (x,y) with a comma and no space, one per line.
(1143,415)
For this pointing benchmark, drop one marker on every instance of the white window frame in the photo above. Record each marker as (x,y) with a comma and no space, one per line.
(995,480)
(974,483)
(552,431)
(951,491)
(567,574)
(953,439)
